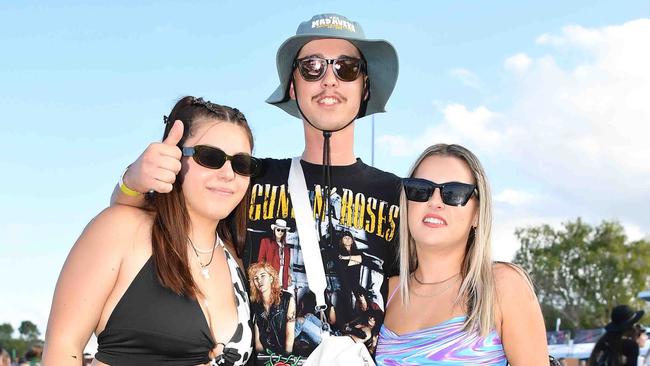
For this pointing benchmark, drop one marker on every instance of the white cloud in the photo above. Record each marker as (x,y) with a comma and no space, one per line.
(514,197)
(634,232)
(467,77)
(572,35)
(577,126)
(504,242)
(518,63)
(588,123)
(477,128)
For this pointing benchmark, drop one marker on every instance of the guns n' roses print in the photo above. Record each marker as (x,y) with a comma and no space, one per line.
(356,250)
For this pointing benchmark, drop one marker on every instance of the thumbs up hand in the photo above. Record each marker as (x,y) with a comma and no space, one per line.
(156,168)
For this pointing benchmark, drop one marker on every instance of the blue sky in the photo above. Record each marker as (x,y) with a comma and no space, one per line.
(552,96)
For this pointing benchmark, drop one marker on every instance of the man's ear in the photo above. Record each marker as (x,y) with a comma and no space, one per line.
(292,93)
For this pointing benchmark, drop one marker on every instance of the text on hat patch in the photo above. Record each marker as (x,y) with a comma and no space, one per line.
(333,22)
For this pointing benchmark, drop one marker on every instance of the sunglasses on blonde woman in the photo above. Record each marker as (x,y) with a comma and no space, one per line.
(452,193)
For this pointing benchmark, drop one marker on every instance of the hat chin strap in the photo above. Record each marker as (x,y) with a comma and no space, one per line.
(327,160)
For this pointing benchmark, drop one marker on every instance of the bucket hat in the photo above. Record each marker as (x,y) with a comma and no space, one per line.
(380,56)
(623,317)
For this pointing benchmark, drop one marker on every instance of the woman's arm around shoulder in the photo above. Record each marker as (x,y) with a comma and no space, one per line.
(87,279)
(521,323)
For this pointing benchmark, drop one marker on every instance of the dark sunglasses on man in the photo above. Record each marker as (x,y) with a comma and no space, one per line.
(313,68)
(214,158)
(452,193)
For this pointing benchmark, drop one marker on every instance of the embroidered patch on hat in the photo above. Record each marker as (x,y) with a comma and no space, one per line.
(333,22)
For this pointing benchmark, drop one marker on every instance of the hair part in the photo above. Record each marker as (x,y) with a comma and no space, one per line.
(171,226)
(477,292)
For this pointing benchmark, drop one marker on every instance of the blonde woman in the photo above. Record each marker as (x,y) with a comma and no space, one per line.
(451,304)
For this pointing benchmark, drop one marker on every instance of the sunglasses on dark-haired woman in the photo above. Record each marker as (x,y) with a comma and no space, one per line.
(214,158)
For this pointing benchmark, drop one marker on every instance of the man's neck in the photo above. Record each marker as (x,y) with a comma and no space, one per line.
(341,146)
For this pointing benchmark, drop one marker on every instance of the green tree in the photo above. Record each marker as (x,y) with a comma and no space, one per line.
(6,331)
(28,331)
(581,272)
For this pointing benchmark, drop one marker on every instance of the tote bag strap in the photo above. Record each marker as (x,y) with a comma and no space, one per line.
(309,242)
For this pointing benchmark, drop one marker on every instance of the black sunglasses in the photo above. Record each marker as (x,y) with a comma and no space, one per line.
(214,158)
(452,193)
(313,68)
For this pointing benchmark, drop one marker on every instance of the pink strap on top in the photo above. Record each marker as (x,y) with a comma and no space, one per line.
(392,294)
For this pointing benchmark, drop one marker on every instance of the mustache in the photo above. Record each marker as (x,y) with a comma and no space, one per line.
(329,93)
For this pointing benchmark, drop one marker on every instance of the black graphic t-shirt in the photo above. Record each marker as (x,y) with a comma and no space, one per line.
(357,257)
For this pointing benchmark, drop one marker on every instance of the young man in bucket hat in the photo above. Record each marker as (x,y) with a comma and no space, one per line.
(330,75)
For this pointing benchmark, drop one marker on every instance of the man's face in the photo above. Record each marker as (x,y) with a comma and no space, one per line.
(329,103)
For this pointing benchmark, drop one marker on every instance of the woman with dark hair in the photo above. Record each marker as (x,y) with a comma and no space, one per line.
(349,257)
(618,346)
(151,283)
(348,267)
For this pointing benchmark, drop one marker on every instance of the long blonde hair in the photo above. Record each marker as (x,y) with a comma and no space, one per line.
(477,290)
(276,290)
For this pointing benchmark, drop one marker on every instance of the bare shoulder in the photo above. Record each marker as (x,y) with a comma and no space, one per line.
(512,282)
(117,226)
(124,215)
(393,282)
(520,322)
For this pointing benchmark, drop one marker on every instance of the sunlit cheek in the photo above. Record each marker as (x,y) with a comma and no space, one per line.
(242,186)
(415,214)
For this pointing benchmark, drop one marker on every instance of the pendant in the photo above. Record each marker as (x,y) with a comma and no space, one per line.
(205,272)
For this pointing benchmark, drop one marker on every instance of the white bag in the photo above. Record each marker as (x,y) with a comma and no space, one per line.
(333,350)
(340,351)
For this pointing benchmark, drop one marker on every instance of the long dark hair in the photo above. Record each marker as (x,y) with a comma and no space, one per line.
(609,347)
(171,224)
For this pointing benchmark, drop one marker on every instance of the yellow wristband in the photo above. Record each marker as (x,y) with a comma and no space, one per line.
(126,190)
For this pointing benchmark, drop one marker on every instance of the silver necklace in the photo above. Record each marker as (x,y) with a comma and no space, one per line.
(217,241)
(205,271)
